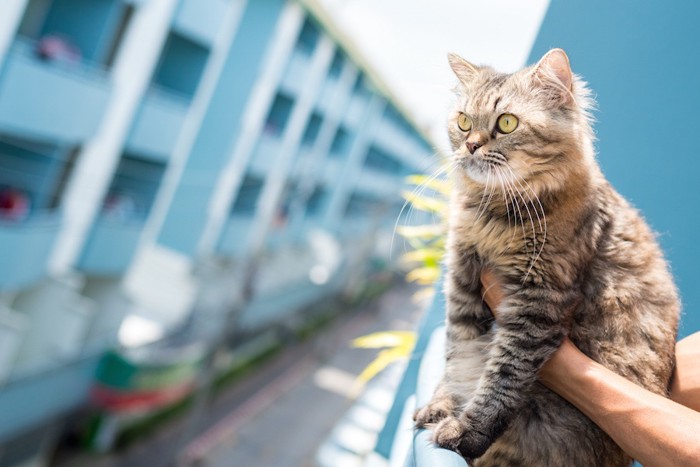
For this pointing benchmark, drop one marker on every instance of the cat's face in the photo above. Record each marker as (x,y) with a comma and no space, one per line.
(529,126)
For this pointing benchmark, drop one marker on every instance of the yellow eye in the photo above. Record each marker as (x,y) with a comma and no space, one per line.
(507,123)
(464,123)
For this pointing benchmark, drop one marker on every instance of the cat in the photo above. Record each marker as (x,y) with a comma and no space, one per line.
(530,202)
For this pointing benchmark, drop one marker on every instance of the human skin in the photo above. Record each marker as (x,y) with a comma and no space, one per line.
(652,429)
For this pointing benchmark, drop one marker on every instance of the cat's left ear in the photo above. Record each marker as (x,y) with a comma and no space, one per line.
(464,70)
(554,70)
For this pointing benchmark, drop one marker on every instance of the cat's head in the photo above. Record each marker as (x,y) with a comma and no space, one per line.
(532,125)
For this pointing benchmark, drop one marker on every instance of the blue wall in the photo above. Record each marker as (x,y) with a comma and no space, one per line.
(641,60)
(188,212)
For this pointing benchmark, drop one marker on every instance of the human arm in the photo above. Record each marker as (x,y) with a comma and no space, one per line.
(685,385)
(654,430)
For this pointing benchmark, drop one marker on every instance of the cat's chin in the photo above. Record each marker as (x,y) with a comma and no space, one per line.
(477,172)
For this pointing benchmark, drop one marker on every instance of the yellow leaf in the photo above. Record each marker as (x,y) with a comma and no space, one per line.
(437,184)
(425,203)
(425,232)
(423,254)
(404,343)
(384,339)
(424,276)
(424,295)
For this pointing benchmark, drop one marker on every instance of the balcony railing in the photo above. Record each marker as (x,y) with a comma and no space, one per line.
(24,248)
(201,20)
(265,154)
(295,74)
(12,327)
(157,125)
(235,235)
(355,111)
(111,246)
(422,374)
(56,100)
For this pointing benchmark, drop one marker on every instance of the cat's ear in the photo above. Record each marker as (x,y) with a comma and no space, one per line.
(554,70)
(464,70)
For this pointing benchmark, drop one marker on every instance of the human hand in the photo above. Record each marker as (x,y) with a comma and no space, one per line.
(491,290)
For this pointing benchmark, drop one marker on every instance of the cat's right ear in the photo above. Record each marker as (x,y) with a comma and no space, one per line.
(464,70)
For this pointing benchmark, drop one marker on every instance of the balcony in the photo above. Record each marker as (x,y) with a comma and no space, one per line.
(264,155)
(328,99)
(379,184)
(333,171)
(399,142)
(50,100)
(157,125)
(111,246)
(12,328)
(58,318)
(24,248)
(201,20)
(28,402)
(398,442)
(294,77)
(234,238)
(355,111)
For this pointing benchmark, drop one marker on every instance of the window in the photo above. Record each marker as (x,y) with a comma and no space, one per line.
(30,175)
(337,64)
(77,30)
(392,114)
(361,87)
(380,160)
(134,187)
(126,14)
(341,142)
(279,114)
(181,65)
(308,37)
(316,201)
(248,194)
(313,127)
(362,205)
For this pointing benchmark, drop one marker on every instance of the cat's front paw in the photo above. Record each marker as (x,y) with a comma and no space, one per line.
(473,444)
(448,433)
(458,435)
(434,412)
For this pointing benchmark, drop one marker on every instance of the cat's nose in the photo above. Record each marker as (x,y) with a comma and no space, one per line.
(473,146)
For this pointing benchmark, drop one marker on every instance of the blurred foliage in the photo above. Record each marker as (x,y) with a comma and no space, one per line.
(427,244)
(396,344)
(427,241)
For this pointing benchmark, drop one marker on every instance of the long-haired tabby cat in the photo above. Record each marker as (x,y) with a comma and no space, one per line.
(575,259)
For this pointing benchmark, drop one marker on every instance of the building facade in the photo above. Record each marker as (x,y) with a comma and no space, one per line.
(160,158)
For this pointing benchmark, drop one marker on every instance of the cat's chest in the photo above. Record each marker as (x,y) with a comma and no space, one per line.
(492,240)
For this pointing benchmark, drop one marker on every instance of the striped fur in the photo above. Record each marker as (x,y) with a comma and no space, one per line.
(575,258)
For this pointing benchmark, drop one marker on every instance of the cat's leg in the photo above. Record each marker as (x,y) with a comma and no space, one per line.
(467,319)
(531,327)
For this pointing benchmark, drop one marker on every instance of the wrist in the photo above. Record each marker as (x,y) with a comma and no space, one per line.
(567,369)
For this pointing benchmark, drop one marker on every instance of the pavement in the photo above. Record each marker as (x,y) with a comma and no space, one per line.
(288,407)
(285,422)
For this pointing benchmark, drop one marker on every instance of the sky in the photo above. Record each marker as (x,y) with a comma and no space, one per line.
(407,42)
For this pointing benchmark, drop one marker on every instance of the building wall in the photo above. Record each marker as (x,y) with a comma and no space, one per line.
(143,192)
(638,59)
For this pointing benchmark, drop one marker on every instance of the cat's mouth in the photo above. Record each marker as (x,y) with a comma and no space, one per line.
(481,167)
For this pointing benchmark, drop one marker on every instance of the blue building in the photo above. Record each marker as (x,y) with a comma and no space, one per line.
(156,153)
